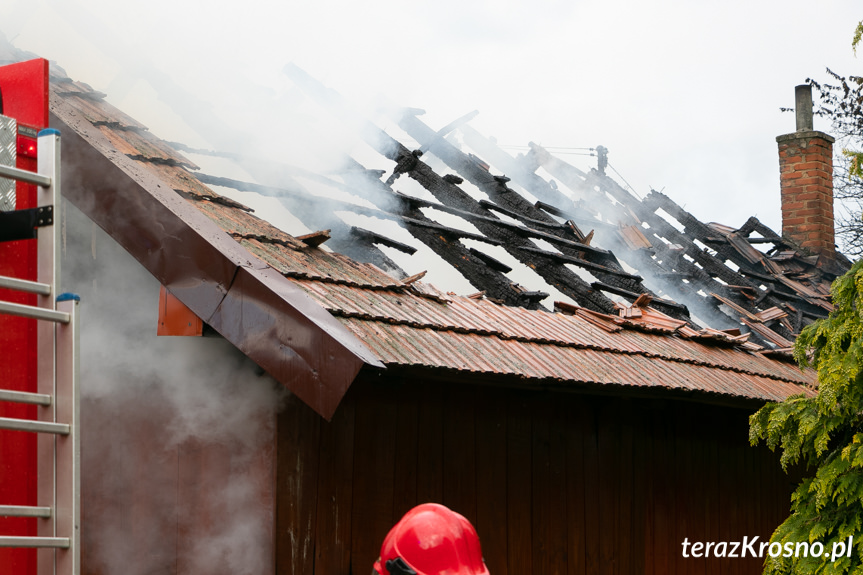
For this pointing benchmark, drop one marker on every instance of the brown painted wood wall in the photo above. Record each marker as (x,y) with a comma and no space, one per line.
(153,505)
(556,484)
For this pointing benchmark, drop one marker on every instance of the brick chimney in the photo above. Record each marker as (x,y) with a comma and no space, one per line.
(806,181)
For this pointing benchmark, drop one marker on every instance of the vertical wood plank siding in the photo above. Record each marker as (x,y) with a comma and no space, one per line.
(556,484)
(153,503)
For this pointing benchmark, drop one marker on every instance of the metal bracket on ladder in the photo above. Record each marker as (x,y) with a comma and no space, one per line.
(57,400)
(22,224)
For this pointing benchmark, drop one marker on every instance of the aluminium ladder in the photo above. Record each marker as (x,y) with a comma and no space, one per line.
(57,400)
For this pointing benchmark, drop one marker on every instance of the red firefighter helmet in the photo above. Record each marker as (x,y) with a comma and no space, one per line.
(431,540)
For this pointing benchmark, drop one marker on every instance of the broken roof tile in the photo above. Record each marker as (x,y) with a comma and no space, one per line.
(318,264)
(144,147)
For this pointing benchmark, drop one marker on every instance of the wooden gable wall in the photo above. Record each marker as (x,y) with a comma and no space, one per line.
(555,483)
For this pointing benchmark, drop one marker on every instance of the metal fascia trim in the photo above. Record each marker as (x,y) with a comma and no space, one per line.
(206,269)
(304,350)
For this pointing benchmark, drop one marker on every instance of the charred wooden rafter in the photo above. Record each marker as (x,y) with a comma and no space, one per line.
(607,233)
(409,162)
(658,227)
(587,221)
(492,227)
(303,204)
(697,230)
(582,263)
(375,238)
(451,232)
(553,201)
(475,269)
(605,266)
(491,262)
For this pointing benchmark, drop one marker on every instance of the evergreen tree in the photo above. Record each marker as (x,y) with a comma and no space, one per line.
(824,433)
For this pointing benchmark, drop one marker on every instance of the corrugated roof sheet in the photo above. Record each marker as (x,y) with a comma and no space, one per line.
(468,352)
(414,326)
(479,336)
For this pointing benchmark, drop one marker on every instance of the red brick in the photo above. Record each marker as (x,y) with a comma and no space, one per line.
(792,222)
(791,176)
(818,189)
(809,165)
(809,180)
(811,196)
(808,212)
(791,206)
(807,228)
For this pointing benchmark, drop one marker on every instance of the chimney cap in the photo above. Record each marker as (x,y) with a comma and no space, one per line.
(803,107)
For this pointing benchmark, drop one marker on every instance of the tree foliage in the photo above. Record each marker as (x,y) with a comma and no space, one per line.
(841,102)
(824,433)
(858,35)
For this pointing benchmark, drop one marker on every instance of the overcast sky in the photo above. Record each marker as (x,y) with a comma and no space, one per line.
(685,95)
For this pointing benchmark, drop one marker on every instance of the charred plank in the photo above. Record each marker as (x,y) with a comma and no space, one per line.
(491,262)
(563,258)
(376,238)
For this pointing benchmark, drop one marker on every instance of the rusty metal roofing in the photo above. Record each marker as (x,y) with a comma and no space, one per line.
(475,335)
(399,344)
(268,281)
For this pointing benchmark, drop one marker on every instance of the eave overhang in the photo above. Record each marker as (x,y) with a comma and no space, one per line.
(253,306)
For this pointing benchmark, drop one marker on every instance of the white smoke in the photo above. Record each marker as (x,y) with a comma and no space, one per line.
(177,432)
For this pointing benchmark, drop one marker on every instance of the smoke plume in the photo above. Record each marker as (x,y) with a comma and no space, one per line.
(177,433)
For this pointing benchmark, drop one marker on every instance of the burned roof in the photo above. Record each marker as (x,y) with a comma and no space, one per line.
(619,268)
(707,274)
(580,233)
